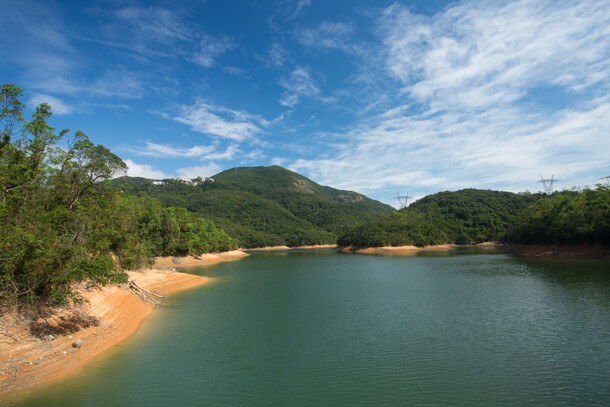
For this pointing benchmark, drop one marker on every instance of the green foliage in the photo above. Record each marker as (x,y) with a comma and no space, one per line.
(568,217)
(460,217)
(267,206)
(62,223)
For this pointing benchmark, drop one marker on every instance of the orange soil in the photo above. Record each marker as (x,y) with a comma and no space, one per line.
(27,360)
(268,248)
(203,260)
(408,250)
(317,246)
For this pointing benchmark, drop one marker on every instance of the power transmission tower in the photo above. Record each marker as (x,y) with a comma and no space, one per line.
(607,179)
(547,184)
(402,200)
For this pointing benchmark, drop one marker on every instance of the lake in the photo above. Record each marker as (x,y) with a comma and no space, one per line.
(320,328)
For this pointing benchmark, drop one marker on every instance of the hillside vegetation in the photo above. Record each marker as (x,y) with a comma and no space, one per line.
(62,223)
(568,217)
(465,216)
(474,216)
(266,206)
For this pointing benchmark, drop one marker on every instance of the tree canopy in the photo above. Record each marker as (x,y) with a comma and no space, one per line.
(62,222)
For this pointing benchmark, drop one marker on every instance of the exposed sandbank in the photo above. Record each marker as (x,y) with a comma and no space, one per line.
(110,315)
(408,250)
(279,248)
(203,260)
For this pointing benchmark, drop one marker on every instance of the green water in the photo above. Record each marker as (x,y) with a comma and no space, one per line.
(328,329)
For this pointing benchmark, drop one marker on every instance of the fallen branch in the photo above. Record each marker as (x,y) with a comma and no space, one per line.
(143,293)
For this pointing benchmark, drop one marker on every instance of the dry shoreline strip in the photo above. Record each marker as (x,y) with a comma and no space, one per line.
(281,248)
(590,251)
(111,315)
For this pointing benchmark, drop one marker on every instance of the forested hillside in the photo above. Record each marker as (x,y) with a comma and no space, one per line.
(465,216)
(60,220)
(569,217)
(473,216)
(263,206)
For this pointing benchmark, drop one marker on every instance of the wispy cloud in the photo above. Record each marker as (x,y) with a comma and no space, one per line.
(328,34)
(465,112)
(143,170)
(210,48)
(297,85)
(300,5)
(219,121)
(199,171)
(58,107)
(153,23)
(156,150)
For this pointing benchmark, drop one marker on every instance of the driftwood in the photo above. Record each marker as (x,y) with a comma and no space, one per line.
(143,293)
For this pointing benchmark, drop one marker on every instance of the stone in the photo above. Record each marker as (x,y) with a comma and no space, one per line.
(77,343)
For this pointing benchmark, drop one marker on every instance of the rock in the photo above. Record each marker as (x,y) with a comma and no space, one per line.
(77,343)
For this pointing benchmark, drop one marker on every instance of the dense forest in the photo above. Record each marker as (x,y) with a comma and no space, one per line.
(265,206)
(568,217)
(474,216)
(61,221)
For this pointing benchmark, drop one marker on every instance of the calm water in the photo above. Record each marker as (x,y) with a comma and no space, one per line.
(326,329)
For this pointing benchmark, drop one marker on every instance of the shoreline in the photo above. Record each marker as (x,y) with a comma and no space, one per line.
(111,315)
(410,250)
(282,248)
(583,251)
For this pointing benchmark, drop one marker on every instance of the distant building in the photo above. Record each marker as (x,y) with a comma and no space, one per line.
(158,182)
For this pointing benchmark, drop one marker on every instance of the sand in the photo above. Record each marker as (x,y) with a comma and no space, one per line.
(411,250)
(203,260)
(268,249)
(28,360)
(281,248)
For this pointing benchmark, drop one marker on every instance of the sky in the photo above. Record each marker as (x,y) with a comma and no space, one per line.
(379,97)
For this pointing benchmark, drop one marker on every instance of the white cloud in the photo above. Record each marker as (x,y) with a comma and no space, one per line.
(299,84)
(328,34)
(153,23)
(220,122)
(143,170)
(301,4)
(210,48)
(275,56)
(58,107)
(228,154)
(481,54)
(168,151)
(199,171)
(465,112)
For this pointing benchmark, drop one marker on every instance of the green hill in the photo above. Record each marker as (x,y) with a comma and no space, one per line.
(262,206)
(465,216)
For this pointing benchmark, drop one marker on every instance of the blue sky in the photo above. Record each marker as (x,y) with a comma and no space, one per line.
(380,97)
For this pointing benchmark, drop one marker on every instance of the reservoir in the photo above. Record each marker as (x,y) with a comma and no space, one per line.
(320,328)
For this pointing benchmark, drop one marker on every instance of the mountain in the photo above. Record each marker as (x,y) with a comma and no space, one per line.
(263,206)
(465,216)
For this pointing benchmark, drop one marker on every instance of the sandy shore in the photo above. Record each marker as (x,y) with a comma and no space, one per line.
(267,249)
(278,248)
(111,315)
(203,260)
(411,250)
